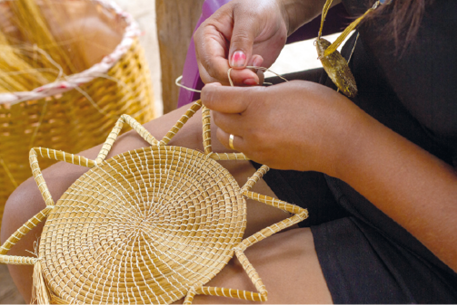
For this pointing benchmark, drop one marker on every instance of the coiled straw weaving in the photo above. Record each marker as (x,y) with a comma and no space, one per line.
(152,225)
(77,111)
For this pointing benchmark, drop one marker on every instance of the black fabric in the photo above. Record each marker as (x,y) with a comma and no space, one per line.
(367,257)
(307,189)
(369,269)
(313,75)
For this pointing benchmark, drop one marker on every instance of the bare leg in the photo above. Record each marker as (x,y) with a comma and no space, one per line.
(288,266)
(26,201)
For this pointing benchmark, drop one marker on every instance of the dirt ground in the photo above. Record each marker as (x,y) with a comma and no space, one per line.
(8,292)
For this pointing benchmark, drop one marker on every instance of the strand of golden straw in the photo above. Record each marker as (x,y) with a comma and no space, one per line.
(30,56)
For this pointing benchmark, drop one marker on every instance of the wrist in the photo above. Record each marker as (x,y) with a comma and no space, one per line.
(355,135)
(299,12)
(358,144)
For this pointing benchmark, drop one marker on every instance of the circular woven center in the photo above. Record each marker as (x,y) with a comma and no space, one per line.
(143,227)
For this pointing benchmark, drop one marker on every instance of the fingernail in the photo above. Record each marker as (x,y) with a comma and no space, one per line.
(238,59)
(257,62)
(250,82)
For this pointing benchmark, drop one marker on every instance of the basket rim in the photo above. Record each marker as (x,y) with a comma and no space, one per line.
(132,31)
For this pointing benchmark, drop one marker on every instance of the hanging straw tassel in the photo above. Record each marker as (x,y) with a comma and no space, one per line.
(57,301)
(40,293)
(332,48)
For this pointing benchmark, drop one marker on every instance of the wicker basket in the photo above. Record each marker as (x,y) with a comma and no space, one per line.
(78,112)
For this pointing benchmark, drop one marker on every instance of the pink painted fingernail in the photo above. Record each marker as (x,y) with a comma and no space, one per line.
(250,82)
(238,59)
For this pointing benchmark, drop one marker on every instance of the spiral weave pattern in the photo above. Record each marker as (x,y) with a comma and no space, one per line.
(142,227)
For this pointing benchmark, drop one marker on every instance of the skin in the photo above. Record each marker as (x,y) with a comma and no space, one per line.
(258,28)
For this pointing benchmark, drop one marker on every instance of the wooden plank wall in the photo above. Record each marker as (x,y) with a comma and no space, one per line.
(176,20)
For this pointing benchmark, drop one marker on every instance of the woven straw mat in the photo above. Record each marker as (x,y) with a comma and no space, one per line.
(152,225)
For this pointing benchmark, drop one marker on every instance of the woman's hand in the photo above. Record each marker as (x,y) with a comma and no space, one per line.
(248,33)
(305,126)
(297,125)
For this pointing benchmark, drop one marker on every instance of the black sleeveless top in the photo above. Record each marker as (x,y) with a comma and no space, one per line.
(367,257)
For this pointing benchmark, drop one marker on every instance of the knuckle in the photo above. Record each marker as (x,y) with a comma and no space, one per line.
(208,96)
(197,36)
(216,118)
(204,75)
(242,39)
(257,139)
(213,72)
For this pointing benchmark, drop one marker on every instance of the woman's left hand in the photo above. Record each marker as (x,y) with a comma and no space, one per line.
(296,125)
(306,126)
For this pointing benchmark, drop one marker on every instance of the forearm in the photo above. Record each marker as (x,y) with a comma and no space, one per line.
(413,187)
(299,12)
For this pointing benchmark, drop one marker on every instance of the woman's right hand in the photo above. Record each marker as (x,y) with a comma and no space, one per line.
(239,34)
(248,33)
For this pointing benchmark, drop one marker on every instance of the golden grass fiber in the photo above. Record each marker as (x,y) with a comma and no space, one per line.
(334,64)
(47,41)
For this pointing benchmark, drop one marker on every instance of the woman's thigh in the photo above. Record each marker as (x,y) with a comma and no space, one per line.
(26,201)
(288,266)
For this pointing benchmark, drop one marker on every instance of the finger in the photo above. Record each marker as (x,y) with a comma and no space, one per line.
(257,61)
(224,138)
(229,99)
(206,78)
(230,123)
(247,77)
(211,51)
(239,78)
(245,30)
(213,67)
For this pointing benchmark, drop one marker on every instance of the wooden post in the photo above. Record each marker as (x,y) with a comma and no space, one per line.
(176,20)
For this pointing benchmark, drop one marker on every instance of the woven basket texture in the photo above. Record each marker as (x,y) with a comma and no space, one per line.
(143,227)
(149,226)
(70,121)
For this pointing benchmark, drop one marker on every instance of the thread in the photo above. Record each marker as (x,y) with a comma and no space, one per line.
(178,83)
(179,79)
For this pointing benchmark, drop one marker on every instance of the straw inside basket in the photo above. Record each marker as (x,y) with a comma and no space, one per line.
(42,41)
(68,70)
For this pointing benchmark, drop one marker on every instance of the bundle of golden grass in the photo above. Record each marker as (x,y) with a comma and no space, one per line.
(17,72)
(149,226)
(334,64)
(31,55)
(68,69)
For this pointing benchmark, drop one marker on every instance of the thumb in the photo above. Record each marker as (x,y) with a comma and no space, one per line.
(241,42)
